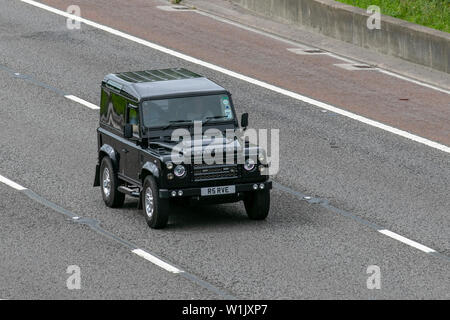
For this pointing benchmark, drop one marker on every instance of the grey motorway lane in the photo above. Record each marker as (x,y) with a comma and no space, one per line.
(38,245)
(303,250)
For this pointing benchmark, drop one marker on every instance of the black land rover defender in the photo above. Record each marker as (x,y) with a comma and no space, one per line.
(139,157)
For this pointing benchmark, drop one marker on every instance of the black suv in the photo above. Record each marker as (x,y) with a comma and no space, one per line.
(138,156)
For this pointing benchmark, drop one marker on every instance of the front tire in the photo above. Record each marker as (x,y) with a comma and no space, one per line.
(109,184)
(155,209)
(257,204)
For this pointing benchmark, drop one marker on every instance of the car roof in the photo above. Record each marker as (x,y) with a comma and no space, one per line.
(161,83)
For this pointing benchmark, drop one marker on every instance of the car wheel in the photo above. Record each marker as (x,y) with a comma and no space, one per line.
(257,204)
(156,210)
(109,183)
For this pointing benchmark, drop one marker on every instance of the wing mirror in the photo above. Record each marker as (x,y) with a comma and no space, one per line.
(128,131)
(244,120)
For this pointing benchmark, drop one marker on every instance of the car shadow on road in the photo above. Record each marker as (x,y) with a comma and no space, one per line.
(228,215)
(189,216)
(286,211)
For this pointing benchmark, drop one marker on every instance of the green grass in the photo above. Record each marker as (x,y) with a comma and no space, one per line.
(430,13)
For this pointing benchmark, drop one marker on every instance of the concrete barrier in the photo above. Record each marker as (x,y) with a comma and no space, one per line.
(396,37)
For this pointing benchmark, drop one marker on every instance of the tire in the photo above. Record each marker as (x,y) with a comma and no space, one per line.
(257,204)
(156,210)
(109,184)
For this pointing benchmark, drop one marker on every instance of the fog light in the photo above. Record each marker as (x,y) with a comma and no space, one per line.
(180,193)
(174,193)
(255,187)
(261,168)
(261,186)
(170,176)
(261,157)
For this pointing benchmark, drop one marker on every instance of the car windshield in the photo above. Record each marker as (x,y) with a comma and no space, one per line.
(162,113)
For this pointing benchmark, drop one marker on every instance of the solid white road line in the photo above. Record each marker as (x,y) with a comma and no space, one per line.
(407,241)
(392,74)
(239,76)
(83,102)
(147,256)
(12,184)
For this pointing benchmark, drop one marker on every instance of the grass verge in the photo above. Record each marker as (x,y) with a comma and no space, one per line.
(430,13)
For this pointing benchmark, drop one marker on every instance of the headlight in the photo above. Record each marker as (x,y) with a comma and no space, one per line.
(169,165)
(249,164)
(180,171)
(261,157)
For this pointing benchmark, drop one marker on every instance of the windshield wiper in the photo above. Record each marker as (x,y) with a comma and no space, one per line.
(212,118)
(160,139)
(176,122)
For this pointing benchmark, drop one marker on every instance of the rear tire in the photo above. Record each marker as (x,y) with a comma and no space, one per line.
(156,210)
(257,204)
(109,184)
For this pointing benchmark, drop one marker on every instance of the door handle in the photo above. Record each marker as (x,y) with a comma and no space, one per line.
(124,150)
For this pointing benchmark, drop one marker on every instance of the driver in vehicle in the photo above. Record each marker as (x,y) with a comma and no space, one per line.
(154,115)
(199,110)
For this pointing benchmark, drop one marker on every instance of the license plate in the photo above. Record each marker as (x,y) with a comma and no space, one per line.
(216,191)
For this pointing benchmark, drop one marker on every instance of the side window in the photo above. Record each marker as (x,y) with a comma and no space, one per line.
(118,115)
(104,104)
(133,119)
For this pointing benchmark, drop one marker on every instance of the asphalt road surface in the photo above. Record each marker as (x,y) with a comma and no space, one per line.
(348,195)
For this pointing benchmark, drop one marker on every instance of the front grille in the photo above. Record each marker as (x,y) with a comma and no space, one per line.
(204,172)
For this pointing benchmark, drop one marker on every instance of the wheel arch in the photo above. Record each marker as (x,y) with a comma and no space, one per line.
(107,150)
(149,168)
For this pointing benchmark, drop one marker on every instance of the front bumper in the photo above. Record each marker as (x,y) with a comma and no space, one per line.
(196,192)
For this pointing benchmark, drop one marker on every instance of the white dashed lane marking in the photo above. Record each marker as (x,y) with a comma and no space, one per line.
(11,183)
(407,241)
(156,261)
(83,102)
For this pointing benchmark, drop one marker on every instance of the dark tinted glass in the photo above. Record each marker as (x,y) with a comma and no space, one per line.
(117,118)
(133,119)
(159,113)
